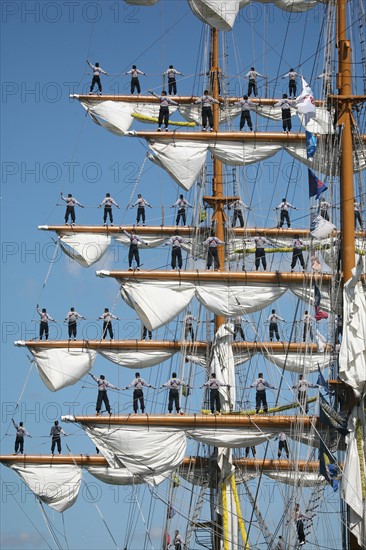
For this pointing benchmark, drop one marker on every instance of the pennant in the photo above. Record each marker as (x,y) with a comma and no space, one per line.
(311,145)
(316,187)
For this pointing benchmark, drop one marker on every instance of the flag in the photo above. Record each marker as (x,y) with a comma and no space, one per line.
(311,145)
(327,466)
(316,187)
(330,417)
(323,383)
(305,102)
(317,295)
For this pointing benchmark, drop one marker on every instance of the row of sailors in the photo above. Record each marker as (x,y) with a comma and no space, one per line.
(174,385)
(189,320)
(171,74)
(238,206)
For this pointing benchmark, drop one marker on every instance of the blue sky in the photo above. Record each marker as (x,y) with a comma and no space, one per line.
(48,145)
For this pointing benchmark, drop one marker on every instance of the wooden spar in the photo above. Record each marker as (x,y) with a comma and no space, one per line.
(170,230)
(187,346)
(252,137)
(242,277)
(257,421)
(189,462)
(183,100)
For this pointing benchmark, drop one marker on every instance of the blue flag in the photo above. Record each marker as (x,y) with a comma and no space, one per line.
(328,467)
(311,144)
(316,187)
(323,383)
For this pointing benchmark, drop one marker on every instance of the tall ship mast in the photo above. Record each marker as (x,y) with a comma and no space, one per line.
(205,451)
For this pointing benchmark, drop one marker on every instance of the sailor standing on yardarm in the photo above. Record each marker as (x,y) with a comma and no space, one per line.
(174,384)
(108,202)
(70,207)
(43,327)
(292,74)
(97,71)
(284,215)
(260,255)
(214,384)
(260,397)
(19,438)
(176,243)
(107,317)
(297,253)
(285,105)
(246,105)
(135,83)
(252,85)
(273,325)
(172,83)
(182,204)
(238,206)
(212,254)
(55,433)
(207,101)
(133,251)
(141,203)
(165,101)
(138,395)
(71,317)
(102,393)
(302,388)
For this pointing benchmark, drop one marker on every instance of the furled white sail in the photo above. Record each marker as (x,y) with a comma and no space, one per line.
(61,367)
(352,356)
(353,478)
(295,477)
(141,359)
(232,437)
(240,357)
(153,240)
(222,364)
(193,113)
(143,451)
(55,484)
(322,123)
(221,14)
(85,248)
(232,299)
(114,476)
(114,116)
(158,302)
(300,362)
(183,160)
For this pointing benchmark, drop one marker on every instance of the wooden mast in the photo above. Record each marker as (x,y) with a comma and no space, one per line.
(344,102)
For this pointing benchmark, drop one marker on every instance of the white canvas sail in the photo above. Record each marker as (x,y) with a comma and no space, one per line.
(136,359)
(158,302)
(85,248)
(352,356)
(143,451)
(61,367)
(57,485)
